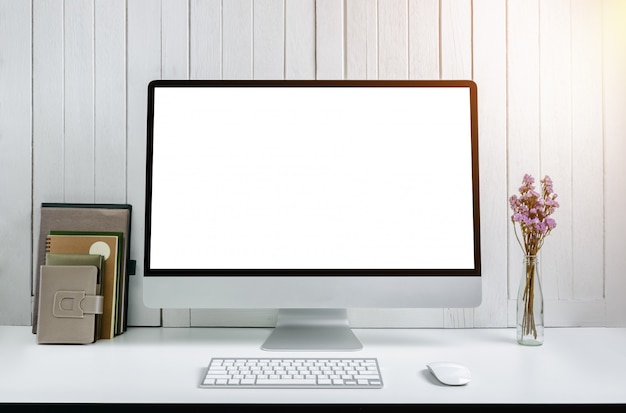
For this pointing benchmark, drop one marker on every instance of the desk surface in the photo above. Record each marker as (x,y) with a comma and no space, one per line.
(164,365)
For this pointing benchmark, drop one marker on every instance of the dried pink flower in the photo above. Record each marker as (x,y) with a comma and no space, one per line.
(532,211)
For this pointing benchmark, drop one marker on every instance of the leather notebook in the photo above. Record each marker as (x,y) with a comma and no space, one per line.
(68,304)
(82,259)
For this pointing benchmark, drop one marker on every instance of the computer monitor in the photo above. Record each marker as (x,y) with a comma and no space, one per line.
(312,197)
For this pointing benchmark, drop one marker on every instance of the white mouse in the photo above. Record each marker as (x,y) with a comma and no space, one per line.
(450,373)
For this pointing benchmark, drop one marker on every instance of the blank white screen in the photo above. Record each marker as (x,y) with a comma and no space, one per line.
(315,178)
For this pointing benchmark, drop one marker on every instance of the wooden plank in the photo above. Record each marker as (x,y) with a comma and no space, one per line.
(393,39)
(567,313)
(237,39)
(556,142)
(269,39)
(110,101)
(614,65)
(587,151)
(329,45)
(300,39)
(424,39)
(205,37)
(144,65)
(361,39)
(47,67)
(79,145)
(15,161)
(522,112)
(489,56)
(174,39)
(456,39)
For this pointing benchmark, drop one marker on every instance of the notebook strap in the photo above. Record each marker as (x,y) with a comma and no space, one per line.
(75,304)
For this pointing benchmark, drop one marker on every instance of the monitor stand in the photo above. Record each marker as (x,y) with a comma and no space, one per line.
(315,329)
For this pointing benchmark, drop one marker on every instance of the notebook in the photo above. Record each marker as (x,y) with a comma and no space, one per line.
(68,304)
(82,259)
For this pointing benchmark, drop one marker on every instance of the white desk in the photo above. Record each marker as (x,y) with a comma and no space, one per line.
(164,365)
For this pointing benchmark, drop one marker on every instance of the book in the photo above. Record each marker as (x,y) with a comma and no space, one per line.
(96,260)
(118,279)
(85,217)
(110,248)
(68,304)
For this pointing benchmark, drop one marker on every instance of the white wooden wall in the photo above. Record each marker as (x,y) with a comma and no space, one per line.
(551,76)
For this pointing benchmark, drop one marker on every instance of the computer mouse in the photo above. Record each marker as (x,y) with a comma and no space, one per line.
(450,373)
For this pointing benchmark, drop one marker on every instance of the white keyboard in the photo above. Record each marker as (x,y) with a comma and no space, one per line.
(282,373)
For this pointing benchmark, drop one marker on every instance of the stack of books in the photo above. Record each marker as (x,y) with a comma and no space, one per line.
(81,289)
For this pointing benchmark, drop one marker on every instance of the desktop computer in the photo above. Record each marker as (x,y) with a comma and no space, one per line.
(312,197)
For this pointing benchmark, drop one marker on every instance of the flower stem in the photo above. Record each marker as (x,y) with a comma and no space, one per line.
(528,319)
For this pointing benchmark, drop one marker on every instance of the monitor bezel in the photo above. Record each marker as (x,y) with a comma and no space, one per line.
(326,272)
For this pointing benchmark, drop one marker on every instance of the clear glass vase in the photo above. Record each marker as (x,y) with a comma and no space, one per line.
(530,325)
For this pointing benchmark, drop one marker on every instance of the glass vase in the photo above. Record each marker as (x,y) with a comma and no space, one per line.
(530,323)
